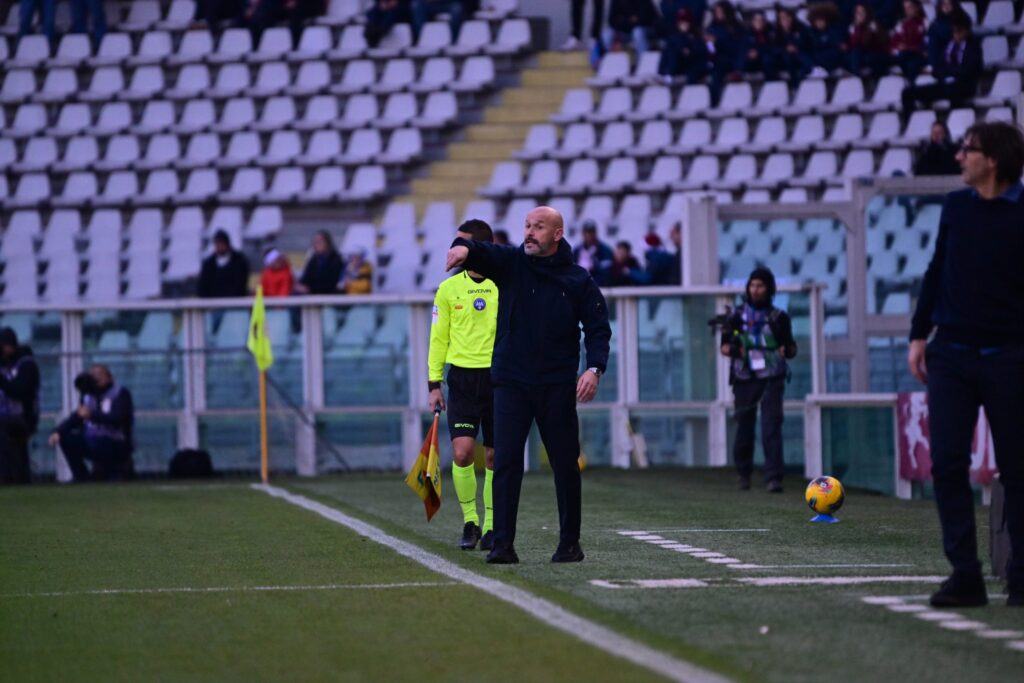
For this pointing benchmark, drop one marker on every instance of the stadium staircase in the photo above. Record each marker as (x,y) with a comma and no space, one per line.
(501,132)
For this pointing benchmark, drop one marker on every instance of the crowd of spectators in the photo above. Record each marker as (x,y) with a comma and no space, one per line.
(719,44)
(620,267)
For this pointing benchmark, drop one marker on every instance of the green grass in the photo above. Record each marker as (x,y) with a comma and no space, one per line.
(61,539)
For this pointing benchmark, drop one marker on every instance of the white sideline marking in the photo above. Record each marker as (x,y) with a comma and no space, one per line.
(883,600)
(650,583)
(744,565)
(1000,635)
(707,554)
(664,541)
(901,608)
(232,589)
(832,566)
(836,580)
(1016,645)
(650,538)
(936,615)
(962,625)
(722,560)
(546,611)
(689,531)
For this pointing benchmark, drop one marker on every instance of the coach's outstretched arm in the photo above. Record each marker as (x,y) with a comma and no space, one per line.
(491,260)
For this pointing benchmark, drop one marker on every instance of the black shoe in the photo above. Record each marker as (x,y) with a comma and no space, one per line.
(571,552)
(743,483)
(487,542)
(774,486)
(470,536)
(504,554)
(961,591)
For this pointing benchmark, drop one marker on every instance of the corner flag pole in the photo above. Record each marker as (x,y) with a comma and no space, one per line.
(259,345)
(263,426)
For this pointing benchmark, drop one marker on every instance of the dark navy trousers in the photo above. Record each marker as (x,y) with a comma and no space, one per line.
(960,379)
(554,408)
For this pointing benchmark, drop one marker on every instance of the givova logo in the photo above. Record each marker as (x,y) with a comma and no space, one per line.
(464,425)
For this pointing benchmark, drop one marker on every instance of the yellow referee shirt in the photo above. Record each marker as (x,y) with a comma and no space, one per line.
(462,325)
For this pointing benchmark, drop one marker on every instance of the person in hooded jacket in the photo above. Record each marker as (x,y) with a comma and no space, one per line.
(543,299)
(758,338)
(19,407)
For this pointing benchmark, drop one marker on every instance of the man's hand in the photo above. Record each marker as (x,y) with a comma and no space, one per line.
(83,412)
(586,386)
(726,350)
(915,359)
(436,400)
(456,257)
(53,440)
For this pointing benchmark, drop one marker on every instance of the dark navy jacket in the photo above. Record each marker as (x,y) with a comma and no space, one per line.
(542,301)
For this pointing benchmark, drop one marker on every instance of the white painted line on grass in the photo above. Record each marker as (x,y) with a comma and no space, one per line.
(999,634)
(546,611)
(707,554)
(903,608)
(1016,645)
(663,541)
(937,615)
(650,583)
(882,600)
(832,566)
(232,589)
(721,560)
(963,625)
(650,537)
(835,580)
(689,531)
(633,533)
(744,565)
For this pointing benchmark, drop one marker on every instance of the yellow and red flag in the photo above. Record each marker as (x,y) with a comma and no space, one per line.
(425,476)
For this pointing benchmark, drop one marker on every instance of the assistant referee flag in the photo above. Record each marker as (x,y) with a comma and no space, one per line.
(425,476)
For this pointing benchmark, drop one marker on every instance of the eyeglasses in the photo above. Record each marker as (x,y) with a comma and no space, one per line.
(970,148)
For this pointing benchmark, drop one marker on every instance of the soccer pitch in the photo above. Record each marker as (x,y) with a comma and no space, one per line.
(225,582)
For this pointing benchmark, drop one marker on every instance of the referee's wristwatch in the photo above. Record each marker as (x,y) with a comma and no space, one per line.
(597,372)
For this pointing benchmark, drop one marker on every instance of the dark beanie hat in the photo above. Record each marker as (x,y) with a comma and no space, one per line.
(8,337)
(766,276)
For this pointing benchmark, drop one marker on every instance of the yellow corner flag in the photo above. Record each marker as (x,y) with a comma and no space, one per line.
(425,476)
(258,343)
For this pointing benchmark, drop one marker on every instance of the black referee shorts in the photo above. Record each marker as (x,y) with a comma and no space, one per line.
(471,403)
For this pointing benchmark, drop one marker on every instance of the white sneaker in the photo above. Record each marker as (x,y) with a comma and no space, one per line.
(571,43)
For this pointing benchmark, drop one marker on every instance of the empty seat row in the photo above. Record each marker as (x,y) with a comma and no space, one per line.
(169,151)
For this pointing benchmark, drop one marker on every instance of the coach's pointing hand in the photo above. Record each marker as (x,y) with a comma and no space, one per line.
(456,256)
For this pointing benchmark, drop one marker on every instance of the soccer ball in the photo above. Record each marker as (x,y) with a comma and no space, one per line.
(825,495)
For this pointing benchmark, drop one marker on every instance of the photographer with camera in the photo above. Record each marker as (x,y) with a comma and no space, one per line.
(100,430)
(19,407)
(759,339)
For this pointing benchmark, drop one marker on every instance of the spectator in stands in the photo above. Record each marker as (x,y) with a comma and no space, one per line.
(100,430)
(940,32)
(209,14)
(907,44)
(631,21)
(658,260)
(758,338)
(958,73)
(501,237)
(382,17)
(457,11)
(575,39)
(724,40)
(323,267)
(867,44)
(938,155)
(793,45)
(670,12)
(826,36)
(262,14)
(887,13)
(626,269)
(84,10)
(225,272)
(46,9)
(357,278)
(675,236)
(683,53)
(276,278)
(758,54)
(19,407)
(594,255)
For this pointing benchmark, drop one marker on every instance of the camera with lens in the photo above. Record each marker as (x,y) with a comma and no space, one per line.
(86,384)
(720,322)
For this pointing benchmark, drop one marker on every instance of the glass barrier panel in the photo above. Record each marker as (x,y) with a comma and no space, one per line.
(676,348)
(887,365)
(673,437)
(233,441)
(858,446)
(156,441)
(608,388)
(363,441)
(366,358)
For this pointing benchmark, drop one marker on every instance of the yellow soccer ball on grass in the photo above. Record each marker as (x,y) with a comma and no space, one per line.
(825,495)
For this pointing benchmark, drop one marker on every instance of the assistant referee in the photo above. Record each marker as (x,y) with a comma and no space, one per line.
(462,330)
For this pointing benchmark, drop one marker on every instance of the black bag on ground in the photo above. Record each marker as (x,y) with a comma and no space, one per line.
(999,535)
(190,463)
